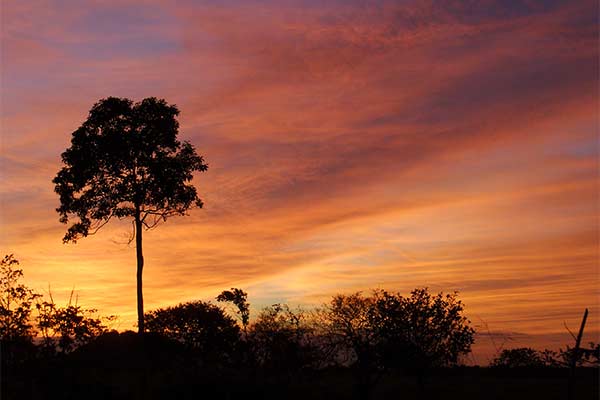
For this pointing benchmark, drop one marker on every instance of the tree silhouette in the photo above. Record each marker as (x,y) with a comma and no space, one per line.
(519,357)
(125,162)
(351,339)
(16,302)
(281,340)
(377,333)
(239,298)
(64,329)
(202,327)
(422,330)
(16,330)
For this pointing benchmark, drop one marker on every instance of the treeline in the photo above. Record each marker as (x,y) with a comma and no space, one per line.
(367,336)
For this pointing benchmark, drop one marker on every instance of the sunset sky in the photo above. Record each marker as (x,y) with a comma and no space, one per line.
(351,145)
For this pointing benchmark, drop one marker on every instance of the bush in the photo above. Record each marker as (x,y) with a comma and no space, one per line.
(63,329)
(281,339)
(202,327)
(519,357)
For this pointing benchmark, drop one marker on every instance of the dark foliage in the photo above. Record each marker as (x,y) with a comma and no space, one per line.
(63,329)
(281,340)
(239,299)
(586,356)
(16,303)
(423,330)
(374,334)
(202,327)
(519,357)
(356,346)
(527,357)
(125,161)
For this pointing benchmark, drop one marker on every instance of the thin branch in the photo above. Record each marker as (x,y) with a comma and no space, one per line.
(132,236)
(97,228)
(571,333)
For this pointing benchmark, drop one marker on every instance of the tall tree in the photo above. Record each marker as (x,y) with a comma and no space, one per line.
(125,162)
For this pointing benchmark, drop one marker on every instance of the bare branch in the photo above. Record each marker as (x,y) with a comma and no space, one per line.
(132,236)
(100,225)
(571,333)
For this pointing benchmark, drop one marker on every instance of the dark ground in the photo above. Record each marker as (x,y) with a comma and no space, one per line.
(126,369)
(59,382)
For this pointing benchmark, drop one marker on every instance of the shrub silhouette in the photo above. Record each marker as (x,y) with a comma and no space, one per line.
(518,357)
(125,162)
(239,299)
(281,340)
(421,331)
(202,327)
(350,339)
(16,301)
(16,304)
(63,329)
(386,330)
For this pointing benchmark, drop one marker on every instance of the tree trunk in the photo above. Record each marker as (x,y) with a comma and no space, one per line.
(140,267)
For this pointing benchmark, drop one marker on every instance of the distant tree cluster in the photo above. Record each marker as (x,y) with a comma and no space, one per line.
(526,357)
(370,336)
(203,328)
(55,330)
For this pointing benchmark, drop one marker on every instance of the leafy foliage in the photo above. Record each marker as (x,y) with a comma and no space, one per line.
(586,356)
(125,160)
(423,330)
(519,357)
(281,339)
(389,330)
(16,302)
(239,298)
(346,323)
(386,330)
(528,357)
(63,329)
(202,327)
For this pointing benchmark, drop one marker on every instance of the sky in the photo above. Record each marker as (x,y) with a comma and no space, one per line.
(352,145)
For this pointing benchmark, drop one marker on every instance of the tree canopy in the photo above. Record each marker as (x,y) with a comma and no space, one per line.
(16,302)
(239,298)
(202,327)
(422,330)
(125,160)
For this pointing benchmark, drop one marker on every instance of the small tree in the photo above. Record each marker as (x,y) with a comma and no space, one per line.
(281,340)
(16,330)
(350,338)
(589,357)
(387,330)
(63,329)
(125,162)
(202,327)
(346,322)
(423,330)
(239,298)
(16,302)
(518,357)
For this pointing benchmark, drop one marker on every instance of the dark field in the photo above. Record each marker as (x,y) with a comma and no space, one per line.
(77,379)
